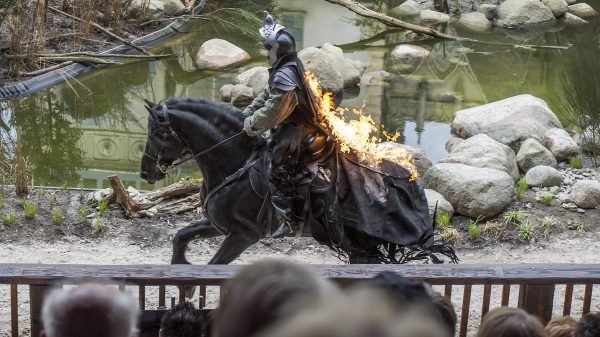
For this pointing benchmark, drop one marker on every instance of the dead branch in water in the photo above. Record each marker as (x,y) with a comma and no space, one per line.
(103,29)
(79,59)
(92,55)
(47,69)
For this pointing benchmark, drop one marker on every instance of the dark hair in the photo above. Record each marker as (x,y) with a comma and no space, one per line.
(510,322)
(589,325)
(400,288)
(184,320)
(446,310)
(561,327)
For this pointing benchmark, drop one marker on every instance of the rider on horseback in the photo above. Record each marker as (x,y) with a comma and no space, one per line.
(286,107)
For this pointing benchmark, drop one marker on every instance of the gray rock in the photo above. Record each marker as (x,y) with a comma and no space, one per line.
(544,176)
(452,143)
(320,64)
(533,154)
(475,21)
(173,7)
(407,51)
(350,70)
(483,151)
(560,144)
(572,20)
(241,96)
(582,10)
(259,81)
(225,92)
(509,121)
(570,2)
(517,13)
(586,193)
(472,191)
(430,16)
(554,189)
(244,77)
(217,54)
(557,7)
(409,7)
(490,11)
(419,156)
(153,9)
(443,205)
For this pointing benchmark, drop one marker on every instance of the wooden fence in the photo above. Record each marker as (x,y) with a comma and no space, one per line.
(541,289)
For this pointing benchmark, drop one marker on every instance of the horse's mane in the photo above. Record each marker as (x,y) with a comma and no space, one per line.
(209,110)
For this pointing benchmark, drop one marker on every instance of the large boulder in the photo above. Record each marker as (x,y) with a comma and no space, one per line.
(408,51)
(350,70)
(586,193)
(217,54)
(241,96)
(490,11)
(419,156)
(173,7)
(472,191)
(409,7)
(433,199)
(483,151)
(244,77)
(320,64)
(430,16)
(557,7)
(509,121)
(560,143)
(225,92)
(572,20)
(152,9)
(582,10)
(516,13)
(475,21)
(533,154)
(543,176)
(259,81)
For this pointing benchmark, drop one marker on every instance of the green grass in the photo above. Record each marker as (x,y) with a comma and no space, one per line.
(57,216)
(549,222)
(103,206)
(29,209)
(64,187)
(443,219)
(473,229)
(520,187)
(82,212)
(546,198)
(525,230)
(52,201)
(514,216)
(98,225)
(576,225)
(576,162)
(9,219)
(1,199)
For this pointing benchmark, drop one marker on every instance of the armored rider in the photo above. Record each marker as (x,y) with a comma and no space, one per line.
(286,107)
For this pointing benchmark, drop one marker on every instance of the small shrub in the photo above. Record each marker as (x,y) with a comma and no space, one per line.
(1,199)
(103,206)
(98,225)
(52,201)
(64,187)
(492,228)
(82,212)
(443,219)
(9,219)
(29,209)
(40,191)
(450,235)
(57,216)
(545,197)
(576,225)
(525,230)
(521,187)
(576,162)
(473,229)
(514,216)
(549,222)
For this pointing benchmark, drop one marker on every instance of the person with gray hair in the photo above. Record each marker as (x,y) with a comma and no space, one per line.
(90,310)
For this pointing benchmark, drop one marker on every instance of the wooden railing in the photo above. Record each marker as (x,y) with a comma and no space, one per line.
(544,290)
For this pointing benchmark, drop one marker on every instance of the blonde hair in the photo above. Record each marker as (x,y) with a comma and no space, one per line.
(510,322)
(561,327)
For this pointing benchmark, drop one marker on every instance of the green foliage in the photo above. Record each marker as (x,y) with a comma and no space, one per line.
(576,225)
(514,216)
(525,230)
(103,206)
(443,219)
(98,225)
(521,187)
(576,162)
(82,212)
(57,216)
(549,222)
(473,229)
(29,209)
(1,199)
(8,219)
(64,187)
(545,197)
(52,201)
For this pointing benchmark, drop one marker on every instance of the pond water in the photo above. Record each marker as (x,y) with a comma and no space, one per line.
(94,125)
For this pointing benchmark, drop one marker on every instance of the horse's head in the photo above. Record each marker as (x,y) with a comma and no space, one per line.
(163,146)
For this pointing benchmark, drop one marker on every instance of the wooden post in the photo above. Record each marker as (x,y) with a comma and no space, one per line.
(37,293)
(538,300)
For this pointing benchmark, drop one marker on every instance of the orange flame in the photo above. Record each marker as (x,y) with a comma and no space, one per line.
(358,135)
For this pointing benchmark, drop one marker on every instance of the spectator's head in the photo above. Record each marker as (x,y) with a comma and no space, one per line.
(561,327)
(589,325)
(364,312)
(265,292)
(184,320)
(90,310)
(510,322)
(446,310)
(400,288)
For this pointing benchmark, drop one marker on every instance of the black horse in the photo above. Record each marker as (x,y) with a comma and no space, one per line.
(235,192)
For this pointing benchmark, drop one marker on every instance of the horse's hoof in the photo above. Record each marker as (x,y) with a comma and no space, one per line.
(283,231)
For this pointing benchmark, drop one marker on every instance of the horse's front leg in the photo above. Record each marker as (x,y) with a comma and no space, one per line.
(201,229)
